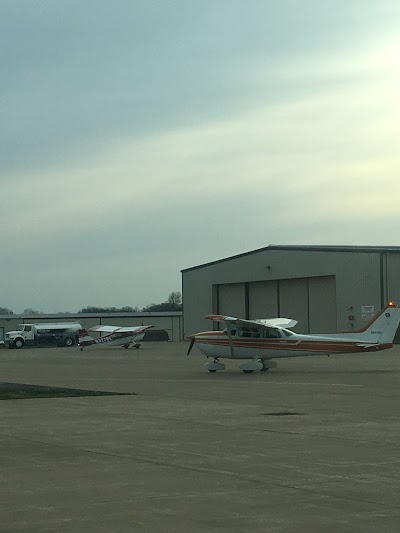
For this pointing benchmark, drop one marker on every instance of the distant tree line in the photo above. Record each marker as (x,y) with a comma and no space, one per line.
(97,309)
(6,311)
(173,303)
(29,311)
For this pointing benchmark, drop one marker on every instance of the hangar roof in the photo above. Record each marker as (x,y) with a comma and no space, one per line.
(305,248)
(71,316)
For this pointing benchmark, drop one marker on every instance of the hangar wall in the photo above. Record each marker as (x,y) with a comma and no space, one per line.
(171,322)
(391,276)
(319,286)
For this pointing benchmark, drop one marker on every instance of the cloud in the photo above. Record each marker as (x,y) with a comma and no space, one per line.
(130,155)
(306,144)
(79,76)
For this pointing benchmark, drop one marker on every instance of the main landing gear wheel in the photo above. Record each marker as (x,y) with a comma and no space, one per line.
(248,367)
(267,364)
(214,366)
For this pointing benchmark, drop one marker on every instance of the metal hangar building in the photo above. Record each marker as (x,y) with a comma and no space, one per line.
(326,288)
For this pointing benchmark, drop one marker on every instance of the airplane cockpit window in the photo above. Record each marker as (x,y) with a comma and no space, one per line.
(271,333)
(253,333)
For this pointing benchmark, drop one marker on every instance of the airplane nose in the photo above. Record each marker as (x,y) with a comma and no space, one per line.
(192,341)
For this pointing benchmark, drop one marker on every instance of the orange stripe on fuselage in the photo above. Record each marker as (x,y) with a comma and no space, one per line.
(298,345)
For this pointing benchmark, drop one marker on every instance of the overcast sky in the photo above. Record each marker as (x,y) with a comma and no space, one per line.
(142,137)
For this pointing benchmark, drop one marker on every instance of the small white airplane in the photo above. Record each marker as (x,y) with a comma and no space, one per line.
(262,340)
(116,336)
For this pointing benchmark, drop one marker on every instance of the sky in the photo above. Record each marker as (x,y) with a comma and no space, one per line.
(142,137)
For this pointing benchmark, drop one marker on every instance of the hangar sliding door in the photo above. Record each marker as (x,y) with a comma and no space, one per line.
(310,301)
(231,299)
(293,300)
(322,304)
(263,299)
(392,279)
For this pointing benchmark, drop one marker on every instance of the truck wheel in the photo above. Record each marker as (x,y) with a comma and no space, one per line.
(18,343)
(69,341)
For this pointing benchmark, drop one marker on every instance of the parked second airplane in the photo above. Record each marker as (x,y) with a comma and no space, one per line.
(116,336)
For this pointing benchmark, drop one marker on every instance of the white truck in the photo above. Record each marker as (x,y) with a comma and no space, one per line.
(41,334)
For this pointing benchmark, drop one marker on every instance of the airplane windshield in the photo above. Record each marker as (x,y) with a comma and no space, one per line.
(271,333)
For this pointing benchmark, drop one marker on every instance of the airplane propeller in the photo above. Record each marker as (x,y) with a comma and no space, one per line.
(191,345)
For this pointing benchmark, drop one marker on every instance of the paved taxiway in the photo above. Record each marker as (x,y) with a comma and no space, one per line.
(200,452)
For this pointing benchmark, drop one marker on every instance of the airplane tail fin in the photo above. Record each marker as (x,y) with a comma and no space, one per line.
(382,328)
(84,338)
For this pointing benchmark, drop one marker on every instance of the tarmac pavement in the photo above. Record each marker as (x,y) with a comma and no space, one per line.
(312,446)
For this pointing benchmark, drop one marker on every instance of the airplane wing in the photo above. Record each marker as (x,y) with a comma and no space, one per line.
(125,329)
(106,329)
(267,322)
(277,322)
(221,318)
(134,329)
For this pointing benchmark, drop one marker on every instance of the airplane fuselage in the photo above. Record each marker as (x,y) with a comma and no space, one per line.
(217,344)
(108,341)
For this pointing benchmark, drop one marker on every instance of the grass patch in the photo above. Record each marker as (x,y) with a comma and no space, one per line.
(24,391)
